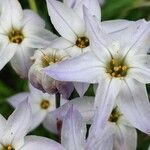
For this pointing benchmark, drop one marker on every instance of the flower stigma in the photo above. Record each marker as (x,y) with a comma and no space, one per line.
(50,59)
(82,42)
(8,147)
(115,115)
(15,36)
(45,104)
(117,68)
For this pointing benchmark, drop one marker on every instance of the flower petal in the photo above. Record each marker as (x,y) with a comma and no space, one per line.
(21,61)
(15,100)
(84,105)
(65,20)
(113,26)
(100,42)
(81,88)
(19,120)
(40,143)
(73,130)
(30,18)
(93,7)
(140,68)
(126,138)
(11,15)
(134,104)
(2,125)
(106,95)
(7,51)
(84,68)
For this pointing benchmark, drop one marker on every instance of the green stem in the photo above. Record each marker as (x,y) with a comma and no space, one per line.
(57,100)
(33,5)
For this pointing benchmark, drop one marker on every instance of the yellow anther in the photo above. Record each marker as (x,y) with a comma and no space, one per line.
(113,61)
(119,75)
(45,104)
(113,74)
(116,68)
(124,68)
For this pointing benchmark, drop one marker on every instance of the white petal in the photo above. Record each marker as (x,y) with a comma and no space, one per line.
(85,68)
(12,14)
(2,125)
(7,51)
(15,100)
(40,143)
(65,20)
(100,42)
(104,141)
(113,26)
(61,43)
(37,38)
(73,130)
(134,104)
(84,105)
(93,7)
(19,120)
(30,18)
(140,68)
(38,118)
(21,61)
(106,95)
(70,3)
(81,88)
(126,138)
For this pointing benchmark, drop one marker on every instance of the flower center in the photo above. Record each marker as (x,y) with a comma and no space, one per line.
(117,68)
(8,147)
(45,104)
(15,36)
(82,42)
(115,114)
(50,59)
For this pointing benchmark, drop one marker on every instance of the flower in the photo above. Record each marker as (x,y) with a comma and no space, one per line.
(124,135)
(21,32)
(43,58)
(13,131)
(73,133)
(121,68)
(54,119)
(41,104)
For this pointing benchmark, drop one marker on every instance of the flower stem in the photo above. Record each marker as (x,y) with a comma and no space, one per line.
(57,100)
(33,5)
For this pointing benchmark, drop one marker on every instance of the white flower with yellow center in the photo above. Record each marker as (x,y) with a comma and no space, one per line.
(41,104)
(120,65)
(39,79)
(21,32)
(13,132)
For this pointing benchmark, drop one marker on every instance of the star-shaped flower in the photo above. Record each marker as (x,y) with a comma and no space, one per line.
(21,32)
(120,64)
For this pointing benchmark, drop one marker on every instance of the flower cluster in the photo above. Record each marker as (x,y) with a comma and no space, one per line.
(110,57)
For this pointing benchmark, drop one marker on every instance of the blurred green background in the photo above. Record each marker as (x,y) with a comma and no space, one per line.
(10,83)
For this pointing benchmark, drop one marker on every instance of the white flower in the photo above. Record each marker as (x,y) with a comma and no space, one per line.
(13,131)
(70,25)
(124,135)
(73,133)
(41,104)
(120,64)
(84,105)
(43,58)
(21,32)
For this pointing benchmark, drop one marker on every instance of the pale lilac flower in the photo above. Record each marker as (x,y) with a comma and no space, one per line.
(13,132)
(21,32)
(124,135)
(41,104)
(84,105)
(120,64)
(73,134)
(149,148)
(75,39)
(43,58)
